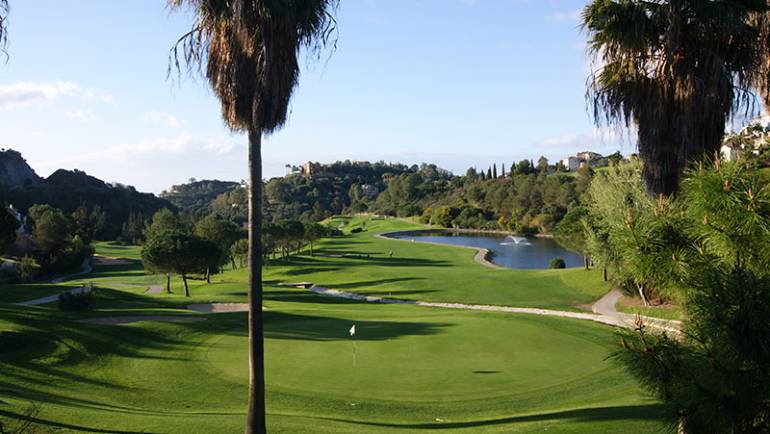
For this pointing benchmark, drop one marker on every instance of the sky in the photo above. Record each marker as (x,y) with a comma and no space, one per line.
(458,83)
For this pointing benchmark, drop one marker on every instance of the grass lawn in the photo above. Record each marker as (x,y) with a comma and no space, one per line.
(409,368)
(429,272)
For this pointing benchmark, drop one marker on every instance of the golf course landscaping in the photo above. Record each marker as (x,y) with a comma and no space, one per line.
(408,368)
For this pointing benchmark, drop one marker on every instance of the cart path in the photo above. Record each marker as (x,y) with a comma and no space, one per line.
(609,316)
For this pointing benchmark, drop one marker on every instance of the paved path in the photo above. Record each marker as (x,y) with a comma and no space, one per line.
(48,299)
(219,307)
(154,289)
(618,320)
(606,306)
(85,269)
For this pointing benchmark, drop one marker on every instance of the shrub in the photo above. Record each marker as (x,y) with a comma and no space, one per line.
(356,230)
(79,300)
(557,263)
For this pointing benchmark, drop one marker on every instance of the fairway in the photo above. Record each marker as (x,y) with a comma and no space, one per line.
(407,369)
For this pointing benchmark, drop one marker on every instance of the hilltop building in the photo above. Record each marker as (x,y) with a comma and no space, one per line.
(752,138)
(590,158)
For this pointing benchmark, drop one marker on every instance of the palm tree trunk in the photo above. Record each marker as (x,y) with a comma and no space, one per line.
(208,275)
(255,418)
(168,283)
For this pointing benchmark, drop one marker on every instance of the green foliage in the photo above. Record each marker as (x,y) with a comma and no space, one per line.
(197,197)
(239,251)
(27,269)
(88,222)
(328,190)
(632,234)
(557,263)
(51,229)
(570,231)
(181,253)
(80,300)
(163,221)
(132,231)
(716,378)
(109,205)
(220,232)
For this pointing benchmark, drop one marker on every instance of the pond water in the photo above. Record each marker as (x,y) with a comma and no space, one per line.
(508,251)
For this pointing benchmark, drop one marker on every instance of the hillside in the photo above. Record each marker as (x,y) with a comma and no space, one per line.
(14,170)
(70,189)
(196,197)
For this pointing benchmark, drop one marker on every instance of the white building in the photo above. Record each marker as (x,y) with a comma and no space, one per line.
(590,158)
(571,163)
(728,153)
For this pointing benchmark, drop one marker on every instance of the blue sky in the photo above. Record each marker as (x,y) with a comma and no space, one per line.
(455,82)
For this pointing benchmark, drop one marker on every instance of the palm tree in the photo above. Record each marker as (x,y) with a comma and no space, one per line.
(248,51)
(3,23)
(677,70)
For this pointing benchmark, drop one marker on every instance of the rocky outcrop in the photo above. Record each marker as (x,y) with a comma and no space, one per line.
(14,170)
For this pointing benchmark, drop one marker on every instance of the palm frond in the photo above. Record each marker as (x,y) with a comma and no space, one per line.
(248,51)
(676,69)
(4,9)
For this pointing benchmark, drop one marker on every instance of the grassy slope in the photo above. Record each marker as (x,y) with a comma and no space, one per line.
(413,368)
(433,272)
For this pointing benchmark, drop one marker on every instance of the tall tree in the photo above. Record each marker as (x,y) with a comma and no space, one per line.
(250,50)
(494,171)
(179,253)
(677,70)
(222,233)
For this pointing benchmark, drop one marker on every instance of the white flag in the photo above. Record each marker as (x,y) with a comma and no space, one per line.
(353,330)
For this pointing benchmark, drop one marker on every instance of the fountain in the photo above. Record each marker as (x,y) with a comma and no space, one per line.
(511,240)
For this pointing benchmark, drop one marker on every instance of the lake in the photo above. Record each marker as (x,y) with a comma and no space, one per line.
(510,252)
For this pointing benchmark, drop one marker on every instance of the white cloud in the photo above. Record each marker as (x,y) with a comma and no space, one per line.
(161,117)
(600,139)
(25,93)
(565,16)
(155,148)
(80,115)
(28,93)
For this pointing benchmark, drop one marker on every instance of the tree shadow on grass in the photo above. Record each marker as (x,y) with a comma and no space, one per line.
(582,415)
(76,428)
(368,283)
(287,326)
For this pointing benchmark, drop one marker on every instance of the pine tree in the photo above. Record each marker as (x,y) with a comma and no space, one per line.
(715,377)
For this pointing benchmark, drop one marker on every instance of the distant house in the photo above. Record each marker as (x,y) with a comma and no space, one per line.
(23,242)
(370,191)
(728,153)
(752,138)
(590,158)
(571,163)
